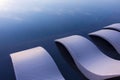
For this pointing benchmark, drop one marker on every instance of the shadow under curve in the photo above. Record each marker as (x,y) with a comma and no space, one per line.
(89,59)
(109,41)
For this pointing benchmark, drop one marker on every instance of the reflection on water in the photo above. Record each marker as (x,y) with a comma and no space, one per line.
(31,19)
(19,9)
(25,21)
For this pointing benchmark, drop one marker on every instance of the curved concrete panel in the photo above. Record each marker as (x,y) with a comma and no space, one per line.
(115,26)
(111,36)
(89,59)
(35,64)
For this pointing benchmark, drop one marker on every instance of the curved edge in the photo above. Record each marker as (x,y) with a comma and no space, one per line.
(86,72)
(12,54)
(115,27)
(35,63)
(106,47)
(66,55)
(112,41)
(39,47)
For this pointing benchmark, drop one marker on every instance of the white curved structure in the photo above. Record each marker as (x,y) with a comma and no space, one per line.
(115,26)
(35,64)
(111,36)
(89,59)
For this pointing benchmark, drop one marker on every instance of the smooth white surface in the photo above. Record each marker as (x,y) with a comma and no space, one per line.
(89,59)
(35,64)
(111,36)
(115,26)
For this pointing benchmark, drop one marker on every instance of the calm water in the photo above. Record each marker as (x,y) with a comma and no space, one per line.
(29,23)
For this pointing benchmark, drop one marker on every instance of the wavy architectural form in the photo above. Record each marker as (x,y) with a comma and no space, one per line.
(89,59)
(35,64)
(111,36)
(115,26)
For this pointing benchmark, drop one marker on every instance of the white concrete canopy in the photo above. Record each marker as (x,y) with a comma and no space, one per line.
(89,59)
(35,64)
(111,36)
(115,26)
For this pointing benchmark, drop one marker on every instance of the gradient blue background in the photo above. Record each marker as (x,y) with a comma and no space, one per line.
(29,23)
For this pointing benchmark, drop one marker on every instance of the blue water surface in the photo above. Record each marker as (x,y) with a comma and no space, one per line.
(29,23)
